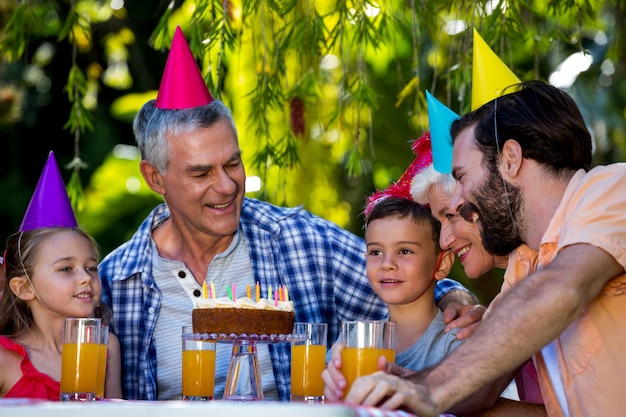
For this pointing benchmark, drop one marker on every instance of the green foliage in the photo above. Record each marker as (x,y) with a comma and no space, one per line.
(26,21)
(76,192)
(326,93)
(14,40)
(80,118)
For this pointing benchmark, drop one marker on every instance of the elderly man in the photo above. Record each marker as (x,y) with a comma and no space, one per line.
(207,231)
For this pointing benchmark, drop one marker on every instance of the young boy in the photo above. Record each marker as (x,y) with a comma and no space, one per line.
(403,260)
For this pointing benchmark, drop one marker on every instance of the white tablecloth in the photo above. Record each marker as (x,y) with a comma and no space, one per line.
(120,408)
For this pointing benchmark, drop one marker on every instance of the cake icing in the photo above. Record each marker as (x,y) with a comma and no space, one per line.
(223,315)
(244,303)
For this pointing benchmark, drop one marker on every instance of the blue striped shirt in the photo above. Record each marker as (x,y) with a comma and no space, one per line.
(321,264)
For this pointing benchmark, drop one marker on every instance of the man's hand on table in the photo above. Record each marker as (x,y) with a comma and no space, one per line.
(392,388)
(465,317)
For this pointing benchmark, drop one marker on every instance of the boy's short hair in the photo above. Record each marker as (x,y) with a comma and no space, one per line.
(403,207)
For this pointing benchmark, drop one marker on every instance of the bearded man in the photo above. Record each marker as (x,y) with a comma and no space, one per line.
(522,163)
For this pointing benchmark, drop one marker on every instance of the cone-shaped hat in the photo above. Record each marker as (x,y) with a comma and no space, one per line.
(50,206)
(440,119)
(182,85)
(402,188)
(489,74)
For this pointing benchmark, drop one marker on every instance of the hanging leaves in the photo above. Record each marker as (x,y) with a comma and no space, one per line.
(312,83)
(80,118)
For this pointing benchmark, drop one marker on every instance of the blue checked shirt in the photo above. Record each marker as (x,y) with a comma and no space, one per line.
(321,264)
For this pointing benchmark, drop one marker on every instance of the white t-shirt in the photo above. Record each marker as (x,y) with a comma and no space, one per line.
(552,365)
(176,280)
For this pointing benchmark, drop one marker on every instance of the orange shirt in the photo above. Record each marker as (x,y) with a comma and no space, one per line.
(592,350)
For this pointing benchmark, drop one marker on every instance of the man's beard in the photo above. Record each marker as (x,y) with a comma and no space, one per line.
(498,213)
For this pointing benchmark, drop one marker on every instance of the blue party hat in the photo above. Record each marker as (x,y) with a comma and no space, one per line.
(440,119)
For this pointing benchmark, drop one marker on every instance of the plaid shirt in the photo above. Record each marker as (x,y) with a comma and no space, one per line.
(322,265)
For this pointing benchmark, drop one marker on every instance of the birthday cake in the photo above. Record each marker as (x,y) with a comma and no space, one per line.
(225,315)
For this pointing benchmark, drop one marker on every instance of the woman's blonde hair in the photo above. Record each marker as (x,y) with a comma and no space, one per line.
(423,182)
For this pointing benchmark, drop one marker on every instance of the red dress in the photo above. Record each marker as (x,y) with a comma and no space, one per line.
(32,384)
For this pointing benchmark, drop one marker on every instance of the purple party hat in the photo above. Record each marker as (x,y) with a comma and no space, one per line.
(440,119)
(50,205)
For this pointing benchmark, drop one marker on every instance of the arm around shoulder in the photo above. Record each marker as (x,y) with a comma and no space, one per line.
(449,291)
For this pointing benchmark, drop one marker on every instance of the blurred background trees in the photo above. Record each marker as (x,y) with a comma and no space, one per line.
(327,94)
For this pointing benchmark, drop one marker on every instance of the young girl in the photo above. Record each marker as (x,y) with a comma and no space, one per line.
(51,273)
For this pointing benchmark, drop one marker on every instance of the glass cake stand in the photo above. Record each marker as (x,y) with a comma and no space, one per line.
(243,381)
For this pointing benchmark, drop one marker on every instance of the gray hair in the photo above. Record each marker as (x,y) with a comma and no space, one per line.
(152,124)
(422,184)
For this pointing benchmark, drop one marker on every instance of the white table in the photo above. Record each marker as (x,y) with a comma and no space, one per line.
(121,408)
(10,407)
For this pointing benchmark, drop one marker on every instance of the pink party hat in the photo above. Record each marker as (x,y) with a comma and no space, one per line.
(402,188)
(490,76)
(50,206)
(182,85)
(440,119)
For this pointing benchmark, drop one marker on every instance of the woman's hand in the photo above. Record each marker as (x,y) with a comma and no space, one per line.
(465,317)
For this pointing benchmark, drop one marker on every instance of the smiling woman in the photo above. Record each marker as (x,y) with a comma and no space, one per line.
(457,234)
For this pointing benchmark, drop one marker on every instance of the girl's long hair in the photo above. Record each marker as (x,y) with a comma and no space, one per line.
(20,258)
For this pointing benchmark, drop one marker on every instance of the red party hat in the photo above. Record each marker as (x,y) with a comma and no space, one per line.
(402,188)
(182,85)
(50,206)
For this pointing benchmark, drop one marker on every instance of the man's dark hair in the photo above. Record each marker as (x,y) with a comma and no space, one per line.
(543,119)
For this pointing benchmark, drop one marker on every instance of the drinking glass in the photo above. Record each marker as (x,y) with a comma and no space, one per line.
(102,362)
(243,381)
(79,359)
(308,360)
(365,342)
(198,366)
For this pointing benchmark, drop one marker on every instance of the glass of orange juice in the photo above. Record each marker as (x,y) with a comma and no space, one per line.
(308,360)
(364,342)
(102,362)
(198,366)
(79,359)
